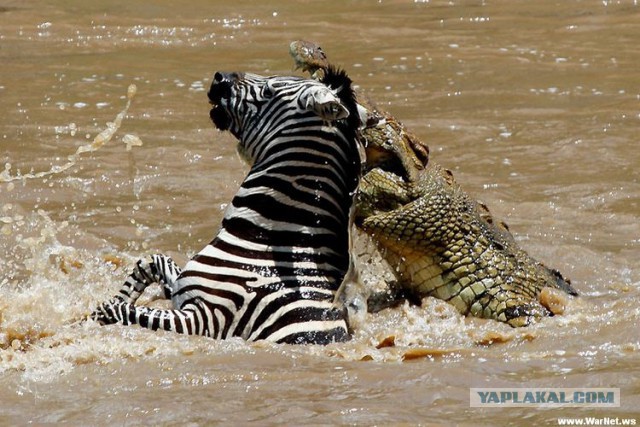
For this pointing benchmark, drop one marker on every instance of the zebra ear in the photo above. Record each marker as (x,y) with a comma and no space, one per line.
(325,103)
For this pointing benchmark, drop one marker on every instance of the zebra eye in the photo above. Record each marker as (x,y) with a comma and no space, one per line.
(268,90)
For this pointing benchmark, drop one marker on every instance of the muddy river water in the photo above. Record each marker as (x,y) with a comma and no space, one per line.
(535,106)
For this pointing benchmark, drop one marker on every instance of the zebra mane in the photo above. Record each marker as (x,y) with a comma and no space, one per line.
(338,80)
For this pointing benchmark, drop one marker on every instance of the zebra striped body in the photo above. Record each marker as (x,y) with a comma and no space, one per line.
(282,252)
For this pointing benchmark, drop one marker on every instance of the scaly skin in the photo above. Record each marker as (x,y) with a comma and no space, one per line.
(438,241)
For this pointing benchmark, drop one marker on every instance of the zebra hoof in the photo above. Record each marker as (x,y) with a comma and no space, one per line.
(107,312)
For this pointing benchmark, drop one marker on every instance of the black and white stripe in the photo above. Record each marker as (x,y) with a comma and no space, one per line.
(282,253)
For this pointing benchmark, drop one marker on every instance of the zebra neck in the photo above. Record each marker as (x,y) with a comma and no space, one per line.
(295,202)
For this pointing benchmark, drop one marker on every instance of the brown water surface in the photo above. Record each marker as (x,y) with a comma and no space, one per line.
(535,106)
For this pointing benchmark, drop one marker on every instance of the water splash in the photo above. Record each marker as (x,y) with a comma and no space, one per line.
(100,140)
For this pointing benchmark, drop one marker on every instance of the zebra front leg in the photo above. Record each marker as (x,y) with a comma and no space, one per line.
(184,321)
(159,269)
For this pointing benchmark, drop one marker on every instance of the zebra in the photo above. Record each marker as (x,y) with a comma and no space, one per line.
(276,266)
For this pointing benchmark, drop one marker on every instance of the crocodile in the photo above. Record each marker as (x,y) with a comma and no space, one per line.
(437,240)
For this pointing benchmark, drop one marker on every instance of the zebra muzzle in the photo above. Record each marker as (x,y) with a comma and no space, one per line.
(220,118)
(221,90)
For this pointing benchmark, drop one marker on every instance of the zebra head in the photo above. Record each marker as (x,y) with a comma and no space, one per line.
(253,107)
